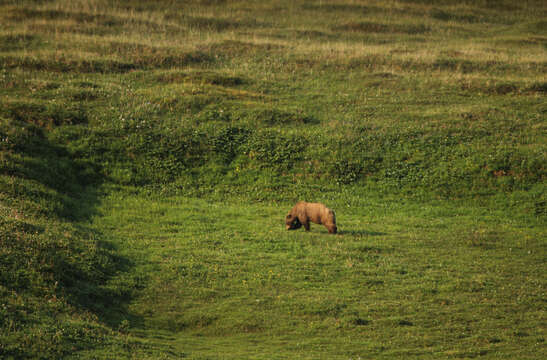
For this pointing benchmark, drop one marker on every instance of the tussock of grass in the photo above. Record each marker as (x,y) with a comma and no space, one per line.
(12,42)
(103,65)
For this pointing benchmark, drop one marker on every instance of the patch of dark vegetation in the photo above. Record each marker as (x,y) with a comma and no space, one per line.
(102,66)
(468,17)
(84,23)
(84,95)
(360,322)
(453,64)
(372,249)
(503,5)
(214,24)
(528,41)
(471,66)
(338,7)
(105,20)
(382,80)
(273,116)
(539,87)
(502,88)
(145,56)
(66,65)
(373,27)
(314,34)
(13,42)
(405,323)
(202,77)
(44,115)
(444,15)
(143,5)
(385,75)
(378,63)
(234,48)
(538,27)
(506,88)
(85,29)
(486,87)
(87,85)
(23,13)
(45,85)
(211,2)
(540,208)
(180,60)
(134,49)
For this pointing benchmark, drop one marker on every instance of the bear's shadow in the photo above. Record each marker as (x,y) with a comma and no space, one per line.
(361,233)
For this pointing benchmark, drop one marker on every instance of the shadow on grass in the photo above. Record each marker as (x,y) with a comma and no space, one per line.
(361,233)
(69,259)
(91,290)
(92,283)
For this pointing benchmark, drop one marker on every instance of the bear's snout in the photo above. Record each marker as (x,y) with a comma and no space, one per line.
(293,225)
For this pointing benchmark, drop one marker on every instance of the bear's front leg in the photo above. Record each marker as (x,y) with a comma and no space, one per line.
(304,221)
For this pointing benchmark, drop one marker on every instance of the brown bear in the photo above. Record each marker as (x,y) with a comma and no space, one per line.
(304,212)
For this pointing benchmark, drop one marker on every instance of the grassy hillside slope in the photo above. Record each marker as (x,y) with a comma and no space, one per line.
(149,151)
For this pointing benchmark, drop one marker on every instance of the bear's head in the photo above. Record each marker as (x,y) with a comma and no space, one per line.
(292,222)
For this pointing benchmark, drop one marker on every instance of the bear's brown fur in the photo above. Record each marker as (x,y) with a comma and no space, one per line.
(304,212)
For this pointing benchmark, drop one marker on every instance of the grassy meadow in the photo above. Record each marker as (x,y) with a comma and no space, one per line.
(149,151)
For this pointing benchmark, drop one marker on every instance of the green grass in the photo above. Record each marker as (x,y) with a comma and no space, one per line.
(149,152)
(401,279)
